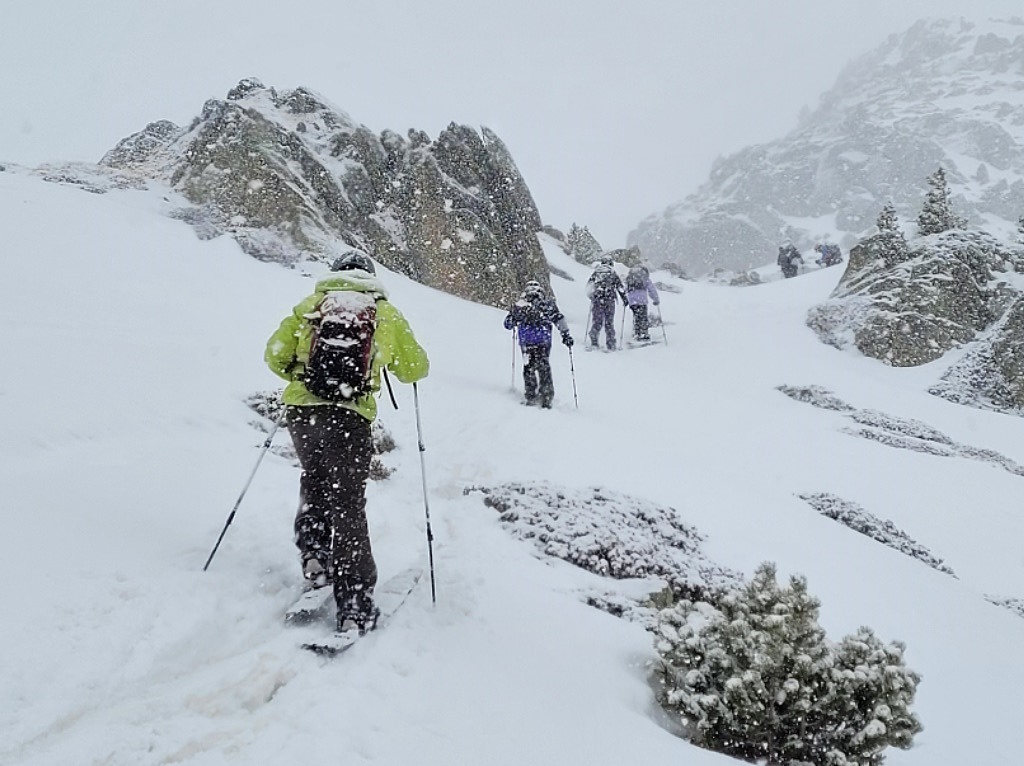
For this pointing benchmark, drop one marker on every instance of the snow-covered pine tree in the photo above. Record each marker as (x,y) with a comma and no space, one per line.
(747,677)
(756,678)
(892,243)
(583,246)
(937,214)
(872,693)
(1020,229)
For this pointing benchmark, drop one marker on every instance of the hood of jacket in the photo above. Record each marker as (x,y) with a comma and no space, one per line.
(353,279)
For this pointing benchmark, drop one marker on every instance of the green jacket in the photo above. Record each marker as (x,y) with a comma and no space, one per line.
(394,345)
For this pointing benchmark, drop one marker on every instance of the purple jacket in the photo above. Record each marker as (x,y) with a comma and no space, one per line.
(638,296)
(534,319)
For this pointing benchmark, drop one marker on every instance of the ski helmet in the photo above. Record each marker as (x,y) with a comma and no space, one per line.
(532,288)
(354,259)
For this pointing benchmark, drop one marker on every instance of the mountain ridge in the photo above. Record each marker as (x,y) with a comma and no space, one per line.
(947,92)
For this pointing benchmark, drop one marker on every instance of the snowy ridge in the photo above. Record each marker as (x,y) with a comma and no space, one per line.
(134,347)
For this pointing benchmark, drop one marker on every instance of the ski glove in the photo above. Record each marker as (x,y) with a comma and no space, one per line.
(567,339)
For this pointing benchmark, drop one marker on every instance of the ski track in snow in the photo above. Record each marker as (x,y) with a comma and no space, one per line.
(125,451)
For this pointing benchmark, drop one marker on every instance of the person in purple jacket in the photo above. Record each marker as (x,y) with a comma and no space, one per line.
(638,287)
(533,315)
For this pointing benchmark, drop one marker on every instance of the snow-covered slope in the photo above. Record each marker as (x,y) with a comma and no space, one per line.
(130,346)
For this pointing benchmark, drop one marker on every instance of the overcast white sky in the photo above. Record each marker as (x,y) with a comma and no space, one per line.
(611,109)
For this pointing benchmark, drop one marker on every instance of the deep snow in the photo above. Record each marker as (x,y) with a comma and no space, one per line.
(130,347)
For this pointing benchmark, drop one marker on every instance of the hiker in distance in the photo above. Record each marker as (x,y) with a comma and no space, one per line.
(602,288)
(331,350)
(789,260)
(830,254)
(532,316)
(638,287)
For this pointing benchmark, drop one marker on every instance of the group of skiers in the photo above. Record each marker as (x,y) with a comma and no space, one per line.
(332,350)
(790,260)
(534,314)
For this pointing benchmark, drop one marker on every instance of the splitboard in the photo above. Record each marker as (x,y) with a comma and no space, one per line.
(388,596)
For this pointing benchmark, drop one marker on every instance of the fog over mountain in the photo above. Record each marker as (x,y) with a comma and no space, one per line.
(947,92)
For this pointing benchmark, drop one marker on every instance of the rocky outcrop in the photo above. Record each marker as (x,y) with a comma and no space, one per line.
(292,178)
(944,93)
(991,374)
(942,294)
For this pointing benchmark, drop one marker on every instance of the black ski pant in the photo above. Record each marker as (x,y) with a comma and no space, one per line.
(334,446)
(537,372)
(602,310)
(641,324)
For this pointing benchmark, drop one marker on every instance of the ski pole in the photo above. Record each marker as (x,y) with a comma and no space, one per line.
(513,358)
(238,502)
(426,503)
(622,328)
(572,371)
(586,329)
(661,320)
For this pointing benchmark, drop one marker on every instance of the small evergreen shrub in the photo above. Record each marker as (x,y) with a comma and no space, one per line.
(756,678)
(937,215)
(583,246)
(892,243)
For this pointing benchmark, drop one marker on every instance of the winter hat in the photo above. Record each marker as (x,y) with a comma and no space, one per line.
(354,259)
(532,288)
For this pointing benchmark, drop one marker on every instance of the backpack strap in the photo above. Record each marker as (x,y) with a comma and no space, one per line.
(391,391)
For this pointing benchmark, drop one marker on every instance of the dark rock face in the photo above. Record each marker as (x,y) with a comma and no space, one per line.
(944,93)
(991,375)
(143,146)
(292,178)
(912,312)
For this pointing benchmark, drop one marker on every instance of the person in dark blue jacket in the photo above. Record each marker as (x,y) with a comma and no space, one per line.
(533,315)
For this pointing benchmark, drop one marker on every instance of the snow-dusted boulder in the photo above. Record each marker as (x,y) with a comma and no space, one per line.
(912,310)
(991,374)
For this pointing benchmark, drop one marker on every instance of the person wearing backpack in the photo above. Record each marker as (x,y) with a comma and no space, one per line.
(602,288)
(830,254)
(789,260)
(533,315)
(638,287)
(331,349)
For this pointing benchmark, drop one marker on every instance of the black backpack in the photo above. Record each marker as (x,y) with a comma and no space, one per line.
(342,346)
(602,283)
(636,279)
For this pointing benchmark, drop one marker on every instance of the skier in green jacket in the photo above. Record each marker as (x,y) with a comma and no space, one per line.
(331,428)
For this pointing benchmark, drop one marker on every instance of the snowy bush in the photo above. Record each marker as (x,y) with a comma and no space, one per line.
(1015,605)
(852,515)
(610,534)
(582,244)
(756,678)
